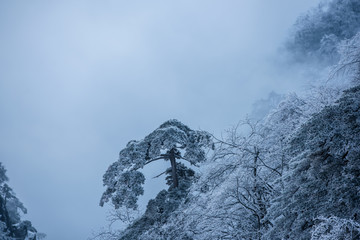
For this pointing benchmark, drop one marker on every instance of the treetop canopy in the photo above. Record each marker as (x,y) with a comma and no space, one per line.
(172,137)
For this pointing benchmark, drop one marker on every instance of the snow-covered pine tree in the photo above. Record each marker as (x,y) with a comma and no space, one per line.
(11,225)
(170,142)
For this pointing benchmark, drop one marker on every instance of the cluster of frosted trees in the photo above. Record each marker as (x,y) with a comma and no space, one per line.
(295,174)
(318,33)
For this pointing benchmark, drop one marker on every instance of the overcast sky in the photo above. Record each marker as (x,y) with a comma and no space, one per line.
(79,79)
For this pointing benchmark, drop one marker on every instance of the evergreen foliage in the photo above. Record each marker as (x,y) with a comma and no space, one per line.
(124,181)
(158,210)
(11,225)
(172,140)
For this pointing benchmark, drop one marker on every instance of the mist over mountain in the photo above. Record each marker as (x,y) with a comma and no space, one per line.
(291,170)
(180,120)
